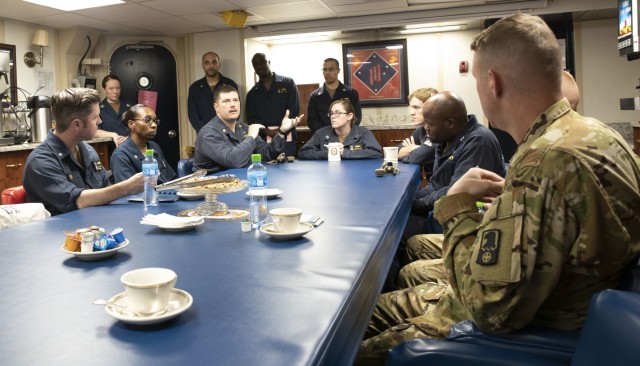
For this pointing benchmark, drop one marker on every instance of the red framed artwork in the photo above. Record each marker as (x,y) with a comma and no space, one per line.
(377,71)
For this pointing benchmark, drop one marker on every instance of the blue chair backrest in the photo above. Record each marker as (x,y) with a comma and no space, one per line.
(610,331)
(185,167)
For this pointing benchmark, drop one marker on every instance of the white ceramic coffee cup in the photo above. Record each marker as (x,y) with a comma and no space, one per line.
(391,154)
(148,289)
(286,220)
(334,151)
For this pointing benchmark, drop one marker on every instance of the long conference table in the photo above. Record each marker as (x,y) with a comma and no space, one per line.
(256,300)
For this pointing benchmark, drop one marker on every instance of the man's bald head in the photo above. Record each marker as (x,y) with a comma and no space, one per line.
(445,116)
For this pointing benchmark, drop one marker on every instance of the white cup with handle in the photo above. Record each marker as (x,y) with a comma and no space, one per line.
(148,289)
(286,220)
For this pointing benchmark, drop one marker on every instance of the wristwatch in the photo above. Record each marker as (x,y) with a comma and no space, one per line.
(282,132)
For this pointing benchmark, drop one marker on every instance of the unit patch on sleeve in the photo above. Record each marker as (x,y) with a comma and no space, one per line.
(488,254)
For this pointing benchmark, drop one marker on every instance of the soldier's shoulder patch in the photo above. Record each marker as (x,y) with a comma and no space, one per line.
(489,247)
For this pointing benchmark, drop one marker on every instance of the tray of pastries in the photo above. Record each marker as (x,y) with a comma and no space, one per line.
(198,183)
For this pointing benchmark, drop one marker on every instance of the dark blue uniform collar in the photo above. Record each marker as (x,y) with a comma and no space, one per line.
(131,147)
(62,152)
(59,148)
(276,79)
(331,136)
(104,105)
(472,124)
(341,86)
(241,129)
(203,83)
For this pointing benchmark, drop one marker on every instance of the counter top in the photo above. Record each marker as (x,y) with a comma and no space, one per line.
(390,127)
(371,127)
(33,145)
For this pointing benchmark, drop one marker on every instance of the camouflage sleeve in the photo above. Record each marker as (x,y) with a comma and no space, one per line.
(504,265)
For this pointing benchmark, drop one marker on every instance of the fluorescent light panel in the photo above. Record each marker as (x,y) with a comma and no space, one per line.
(70,5)
(444,28)
(296,38)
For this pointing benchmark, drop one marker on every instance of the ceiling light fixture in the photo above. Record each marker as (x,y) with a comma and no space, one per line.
(296,38)
(70,5)
(434,29)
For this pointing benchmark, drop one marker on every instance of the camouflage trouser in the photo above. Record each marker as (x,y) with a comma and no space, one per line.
(391,322)
(425,246)
(425,254)
(422,271)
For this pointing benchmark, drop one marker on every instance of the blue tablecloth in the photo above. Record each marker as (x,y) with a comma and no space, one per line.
(257,301)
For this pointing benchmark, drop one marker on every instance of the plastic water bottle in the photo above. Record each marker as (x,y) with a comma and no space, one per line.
(480,207)
(257,177)
(150,173)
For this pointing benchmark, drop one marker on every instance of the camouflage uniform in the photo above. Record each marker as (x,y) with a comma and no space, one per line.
(565,225)
(425,262)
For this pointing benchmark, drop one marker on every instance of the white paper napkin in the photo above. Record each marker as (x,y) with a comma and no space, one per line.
(165,219)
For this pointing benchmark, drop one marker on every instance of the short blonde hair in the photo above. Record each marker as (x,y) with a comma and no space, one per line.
(522,45)
(422,94)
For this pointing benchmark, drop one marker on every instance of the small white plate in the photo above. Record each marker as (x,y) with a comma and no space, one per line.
(271,193)
(179,302)
(94,256)
(181,227)
(303,228)
(190,196)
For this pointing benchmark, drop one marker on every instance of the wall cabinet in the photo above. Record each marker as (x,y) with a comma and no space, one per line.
(388,138)
(12,164)
(11,168)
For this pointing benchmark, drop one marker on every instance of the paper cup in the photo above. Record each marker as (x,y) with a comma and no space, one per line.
(334,151)
(148,289)
(72,243)
(245,226)
(391,154)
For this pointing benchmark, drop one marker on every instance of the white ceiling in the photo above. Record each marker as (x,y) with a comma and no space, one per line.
(180,17)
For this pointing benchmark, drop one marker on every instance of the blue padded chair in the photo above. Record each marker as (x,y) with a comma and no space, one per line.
(608,338)
(185,167)
(553,346)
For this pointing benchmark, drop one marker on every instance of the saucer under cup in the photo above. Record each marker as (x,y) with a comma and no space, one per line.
(148,289)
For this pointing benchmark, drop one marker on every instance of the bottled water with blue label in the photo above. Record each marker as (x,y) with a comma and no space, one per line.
(257,177)
(150,173)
